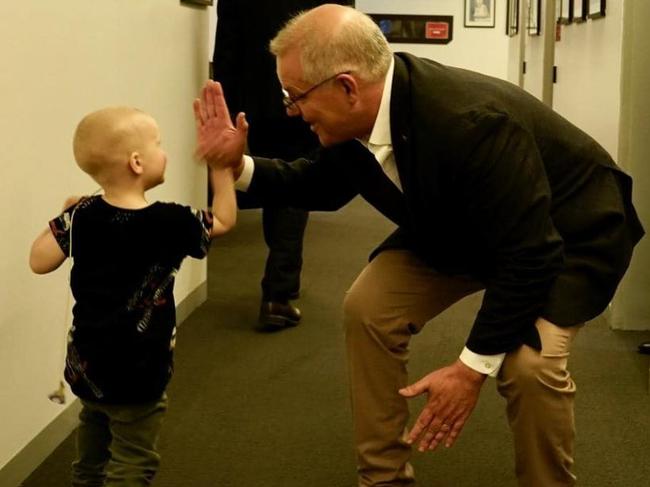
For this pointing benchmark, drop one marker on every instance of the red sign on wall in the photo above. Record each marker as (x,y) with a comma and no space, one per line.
(437,30)
(418,29)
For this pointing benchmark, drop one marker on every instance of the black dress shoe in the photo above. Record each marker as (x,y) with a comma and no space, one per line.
(278,315)
(644,348)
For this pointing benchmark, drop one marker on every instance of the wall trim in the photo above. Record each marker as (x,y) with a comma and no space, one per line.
(192,301)
(41,446)
(44,443)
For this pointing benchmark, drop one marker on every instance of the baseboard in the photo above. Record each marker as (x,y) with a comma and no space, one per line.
(37,450)
(628,315)
(192,301)
(43,444)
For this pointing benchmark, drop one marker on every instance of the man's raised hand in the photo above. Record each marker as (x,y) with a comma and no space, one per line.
(218,141)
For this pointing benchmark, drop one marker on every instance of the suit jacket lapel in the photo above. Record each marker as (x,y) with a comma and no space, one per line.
(415,157)
(400,122)
(379,191)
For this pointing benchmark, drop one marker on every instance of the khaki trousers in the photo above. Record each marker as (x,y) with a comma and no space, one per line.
(391,300)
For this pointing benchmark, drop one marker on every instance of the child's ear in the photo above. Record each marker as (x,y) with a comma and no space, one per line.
(135,163)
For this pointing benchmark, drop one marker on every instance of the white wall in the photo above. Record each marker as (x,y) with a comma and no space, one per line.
(588,60)
(212,28)
(602,87)
(631,308)
(534,53)
(59,61)
(516,57)
(480,49)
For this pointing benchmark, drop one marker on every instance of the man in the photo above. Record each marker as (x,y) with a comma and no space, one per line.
(491,190)
(245,68)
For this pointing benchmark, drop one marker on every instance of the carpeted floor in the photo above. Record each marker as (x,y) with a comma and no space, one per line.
(255,409)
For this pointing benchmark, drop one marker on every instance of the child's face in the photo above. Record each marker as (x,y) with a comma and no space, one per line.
(154,157)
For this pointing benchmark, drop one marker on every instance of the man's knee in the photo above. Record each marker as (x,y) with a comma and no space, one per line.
(358,307)
(368,317)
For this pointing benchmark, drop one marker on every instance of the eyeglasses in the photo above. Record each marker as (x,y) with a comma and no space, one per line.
(289,102)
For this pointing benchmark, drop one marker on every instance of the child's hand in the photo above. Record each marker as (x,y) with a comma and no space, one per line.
(71,200)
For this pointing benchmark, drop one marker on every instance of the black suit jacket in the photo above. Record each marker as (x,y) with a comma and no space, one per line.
(496,185)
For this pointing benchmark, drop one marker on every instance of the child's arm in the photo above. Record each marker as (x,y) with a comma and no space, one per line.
(224,203)
(46,254)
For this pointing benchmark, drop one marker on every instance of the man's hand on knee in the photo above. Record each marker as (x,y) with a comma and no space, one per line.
(452,395)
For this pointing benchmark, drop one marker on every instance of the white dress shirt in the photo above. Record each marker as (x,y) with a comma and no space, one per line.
(380,144)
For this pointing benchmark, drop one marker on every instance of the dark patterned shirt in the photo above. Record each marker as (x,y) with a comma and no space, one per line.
(120,347)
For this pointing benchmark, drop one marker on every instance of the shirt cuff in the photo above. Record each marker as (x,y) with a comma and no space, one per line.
(246,175)
(484,364)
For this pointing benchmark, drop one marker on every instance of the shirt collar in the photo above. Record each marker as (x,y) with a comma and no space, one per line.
(380,134)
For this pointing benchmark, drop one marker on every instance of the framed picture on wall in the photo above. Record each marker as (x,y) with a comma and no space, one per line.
(565,11)
(479,13)
(596,9)
(512,24)
(579,11)
(197,2)
(534,13)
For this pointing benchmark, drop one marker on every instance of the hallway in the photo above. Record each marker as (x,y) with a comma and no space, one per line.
(254,409)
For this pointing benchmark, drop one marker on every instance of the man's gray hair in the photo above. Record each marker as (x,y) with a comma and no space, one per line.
(355,44)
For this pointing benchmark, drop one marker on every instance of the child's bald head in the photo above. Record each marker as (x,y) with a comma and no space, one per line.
(105,139)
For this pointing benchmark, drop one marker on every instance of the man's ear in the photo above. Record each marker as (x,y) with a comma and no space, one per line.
(350,86)
(135,163)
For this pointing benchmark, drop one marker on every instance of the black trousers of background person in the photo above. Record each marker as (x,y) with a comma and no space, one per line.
(284,228)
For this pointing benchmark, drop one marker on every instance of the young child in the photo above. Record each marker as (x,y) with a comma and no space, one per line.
(126,253)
